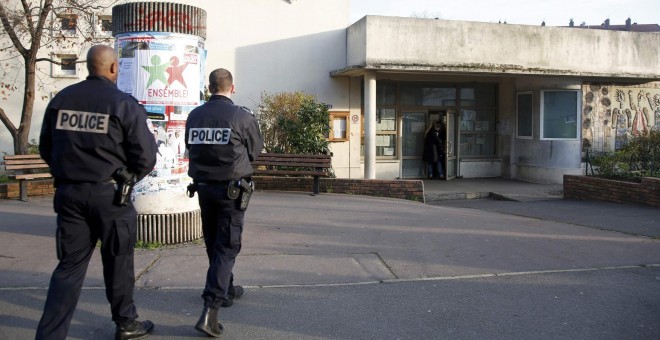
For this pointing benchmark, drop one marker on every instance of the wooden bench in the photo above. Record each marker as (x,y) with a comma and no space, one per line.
(278,164)
(25,168)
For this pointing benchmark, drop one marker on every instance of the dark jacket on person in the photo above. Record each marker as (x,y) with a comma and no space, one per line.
(90,129)
(434,145)
(222,139)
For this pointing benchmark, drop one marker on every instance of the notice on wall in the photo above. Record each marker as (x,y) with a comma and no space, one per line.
(126,82)
(504,127)
(339,128)
(383,140)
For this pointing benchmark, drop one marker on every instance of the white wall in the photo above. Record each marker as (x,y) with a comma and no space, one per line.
(545,160)
(274,46)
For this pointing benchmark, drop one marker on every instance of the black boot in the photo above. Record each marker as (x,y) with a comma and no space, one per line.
(133,329)
(235,292)
(208,323)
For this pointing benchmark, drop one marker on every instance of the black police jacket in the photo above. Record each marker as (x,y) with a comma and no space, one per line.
(222,139)
(90,129)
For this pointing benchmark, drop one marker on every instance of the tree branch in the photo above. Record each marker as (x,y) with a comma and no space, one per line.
(8,124)
(28,17)
(43,16)
(58,62)
(10,31)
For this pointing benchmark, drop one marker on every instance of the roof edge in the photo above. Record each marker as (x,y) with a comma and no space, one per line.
(483,69)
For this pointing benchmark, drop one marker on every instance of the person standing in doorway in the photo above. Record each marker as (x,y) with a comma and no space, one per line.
(433,155)
(96,141)
(222,139)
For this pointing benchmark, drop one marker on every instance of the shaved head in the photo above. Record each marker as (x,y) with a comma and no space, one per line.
(221,81)
(102,61)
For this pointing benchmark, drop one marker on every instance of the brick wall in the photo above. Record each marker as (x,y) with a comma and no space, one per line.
(594,188)
(35,188)
(404,189)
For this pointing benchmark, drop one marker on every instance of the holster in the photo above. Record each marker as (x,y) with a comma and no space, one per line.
(191,189)
(125,183)
(241,191)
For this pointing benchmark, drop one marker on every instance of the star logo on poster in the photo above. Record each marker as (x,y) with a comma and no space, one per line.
(156,71)
(168,77)
(176,72)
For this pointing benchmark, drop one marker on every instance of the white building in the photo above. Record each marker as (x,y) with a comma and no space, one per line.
(520,101)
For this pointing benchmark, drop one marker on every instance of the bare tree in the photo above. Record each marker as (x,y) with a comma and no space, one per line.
(33,28)
(426,15)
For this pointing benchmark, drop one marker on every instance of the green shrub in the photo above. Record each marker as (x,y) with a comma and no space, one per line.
(294,122)
(33,147)
(607,165)
(148,245)
(4,178)
(642,154)
(640,157)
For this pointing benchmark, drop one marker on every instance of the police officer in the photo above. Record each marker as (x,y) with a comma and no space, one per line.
(91,132)
(222,139)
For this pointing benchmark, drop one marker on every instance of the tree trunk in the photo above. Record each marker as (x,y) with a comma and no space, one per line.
(22,137)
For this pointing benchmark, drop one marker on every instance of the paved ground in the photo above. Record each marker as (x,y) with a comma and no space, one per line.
(350,267)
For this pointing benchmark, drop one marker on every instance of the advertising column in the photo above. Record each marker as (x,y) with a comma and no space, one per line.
(161,63)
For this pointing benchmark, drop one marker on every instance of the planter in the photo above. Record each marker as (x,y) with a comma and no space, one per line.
(38,187)
(412,190)
(602,189)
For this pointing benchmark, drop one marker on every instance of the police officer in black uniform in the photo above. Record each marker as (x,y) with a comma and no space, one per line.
(96,140)
(222,139)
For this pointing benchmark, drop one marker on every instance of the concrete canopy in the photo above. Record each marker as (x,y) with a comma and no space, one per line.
(412,45)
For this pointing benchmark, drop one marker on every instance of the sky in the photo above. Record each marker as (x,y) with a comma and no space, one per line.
(530,12)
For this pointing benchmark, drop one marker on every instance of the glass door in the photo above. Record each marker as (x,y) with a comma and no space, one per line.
(412,144)
(451,149)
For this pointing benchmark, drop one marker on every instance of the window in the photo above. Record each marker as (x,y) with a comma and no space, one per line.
(559,114)
(524,108)
(478,95)
(477,121)
(477,132)
(68,23)
(103,26)
(65,65)
(385,93)
(338,127)
(385,133)
(421,95)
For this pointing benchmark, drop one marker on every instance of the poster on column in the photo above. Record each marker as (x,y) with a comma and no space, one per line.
(164,72)
(160,68)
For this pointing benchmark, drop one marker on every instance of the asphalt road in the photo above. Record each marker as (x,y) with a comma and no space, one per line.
(350,267)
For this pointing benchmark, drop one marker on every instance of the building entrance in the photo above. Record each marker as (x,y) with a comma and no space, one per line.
(415,124)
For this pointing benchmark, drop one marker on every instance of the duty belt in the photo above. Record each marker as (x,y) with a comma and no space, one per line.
(71,182)
(214,183)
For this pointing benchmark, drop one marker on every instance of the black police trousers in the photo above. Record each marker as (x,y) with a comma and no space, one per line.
(222,225)
(85,214)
